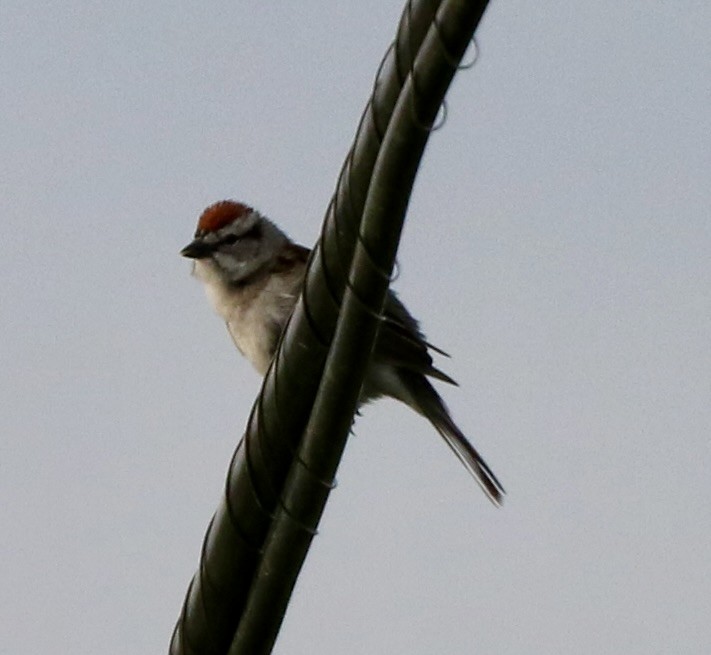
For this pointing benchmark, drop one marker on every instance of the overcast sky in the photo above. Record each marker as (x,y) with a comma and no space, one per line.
(557,245)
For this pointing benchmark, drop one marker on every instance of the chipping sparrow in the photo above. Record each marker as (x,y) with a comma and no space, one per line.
(252,273)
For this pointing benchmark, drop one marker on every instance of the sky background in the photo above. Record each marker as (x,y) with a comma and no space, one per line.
(557,245)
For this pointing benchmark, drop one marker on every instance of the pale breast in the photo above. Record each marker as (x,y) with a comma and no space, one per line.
(254,334)
(254,314)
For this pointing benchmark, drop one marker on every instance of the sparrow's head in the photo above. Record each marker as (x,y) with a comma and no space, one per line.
(234,241)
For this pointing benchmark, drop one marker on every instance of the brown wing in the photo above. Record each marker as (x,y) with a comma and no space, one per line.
(292,254)
(401,343)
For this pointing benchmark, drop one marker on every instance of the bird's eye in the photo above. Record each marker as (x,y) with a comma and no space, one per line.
(229,239)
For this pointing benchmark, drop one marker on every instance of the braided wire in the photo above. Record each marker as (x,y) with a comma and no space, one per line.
(260,464)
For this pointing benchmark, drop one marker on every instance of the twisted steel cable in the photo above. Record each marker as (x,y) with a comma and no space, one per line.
(226,600)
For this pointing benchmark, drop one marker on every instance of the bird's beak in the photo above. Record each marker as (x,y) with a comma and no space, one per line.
(196,249)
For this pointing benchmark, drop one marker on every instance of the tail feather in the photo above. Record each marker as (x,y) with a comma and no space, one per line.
(427,402)
(472,461)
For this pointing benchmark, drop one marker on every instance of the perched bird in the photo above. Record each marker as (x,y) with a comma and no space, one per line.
(252,274)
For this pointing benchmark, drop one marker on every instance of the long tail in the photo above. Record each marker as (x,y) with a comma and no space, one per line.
(428,403)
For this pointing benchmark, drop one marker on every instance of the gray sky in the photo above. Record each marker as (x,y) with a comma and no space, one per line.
(557,246)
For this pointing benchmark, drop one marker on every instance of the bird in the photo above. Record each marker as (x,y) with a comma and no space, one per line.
(252,273)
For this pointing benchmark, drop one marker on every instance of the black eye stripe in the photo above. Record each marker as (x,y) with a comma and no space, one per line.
(255,232)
